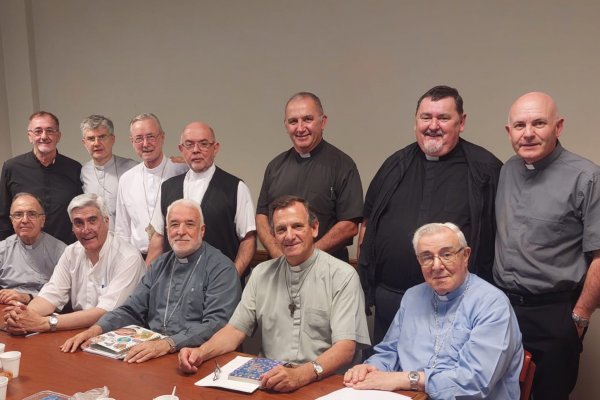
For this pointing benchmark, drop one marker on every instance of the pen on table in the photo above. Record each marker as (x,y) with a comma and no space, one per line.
(31,334)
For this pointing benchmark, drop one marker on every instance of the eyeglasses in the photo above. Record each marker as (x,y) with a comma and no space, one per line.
(100,138)
(19,215)
(446,257)
(203,144)
(148,138)
(38,131)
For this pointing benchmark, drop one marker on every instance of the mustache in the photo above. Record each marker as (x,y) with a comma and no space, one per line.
(431,133)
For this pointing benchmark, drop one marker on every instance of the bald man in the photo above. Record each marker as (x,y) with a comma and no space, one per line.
(225,199)
(548,242)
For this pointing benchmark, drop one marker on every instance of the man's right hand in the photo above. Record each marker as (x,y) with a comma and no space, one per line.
(189,360)
(81,339)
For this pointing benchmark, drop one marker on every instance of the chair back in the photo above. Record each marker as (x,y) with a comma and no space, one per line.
(526,376)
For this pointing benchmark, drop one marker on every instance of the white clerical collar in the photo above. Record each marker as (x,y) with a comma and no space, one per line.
(306,264)
(432,158)
(107,164)
(158,168)
(530,167)
(207,174)
(182,260)
(304,155)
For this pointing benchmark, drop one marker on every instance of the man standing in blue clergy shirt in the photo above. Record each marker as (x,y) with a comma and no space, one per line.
(454,336)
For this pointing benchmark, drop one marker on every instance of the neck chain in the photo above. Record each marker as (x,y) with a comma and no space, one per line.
(104,190)
(150,229)
(292,306)
(187,281)
(440,335)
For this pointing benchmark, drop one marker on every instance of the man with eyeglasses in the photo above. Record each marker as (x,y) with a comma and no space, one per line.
(316,171)
(440,177)
(225,199)
(101,174)
(52,177)
(454,336)
(28,257)
(96,274)
(138,196)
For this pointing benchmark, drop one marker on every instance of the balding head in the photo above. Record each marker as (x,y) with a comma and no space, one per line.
(198,146)
(534,126)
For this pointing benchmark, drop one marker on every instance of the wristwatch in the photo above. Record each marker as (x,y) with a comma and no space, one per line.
(318,369)
(580,321)
(53,322)
(172,345)
(413,378)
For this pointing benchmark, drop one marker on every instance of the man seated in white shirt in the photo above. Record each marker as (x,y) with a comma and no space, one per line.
(96,274)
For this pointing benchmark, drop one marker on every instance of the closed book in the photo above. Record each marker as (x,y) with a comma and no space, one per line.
(253,369)
(116,344)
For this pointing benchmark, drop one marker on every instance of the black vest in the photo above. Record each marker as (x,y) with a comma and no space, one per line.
(218,208)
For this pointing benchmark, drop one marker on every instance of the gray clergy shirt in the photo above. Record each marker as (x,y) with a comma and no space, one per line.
(26,268)
(197,294)
(548,223)
(329,306)
(104,181)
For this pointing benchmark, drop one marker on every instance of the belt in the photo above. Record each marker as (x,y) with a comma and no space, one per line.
(541,299)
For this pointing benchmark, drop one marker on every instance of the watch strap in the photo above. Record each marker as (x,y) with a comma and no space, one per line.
(172,345)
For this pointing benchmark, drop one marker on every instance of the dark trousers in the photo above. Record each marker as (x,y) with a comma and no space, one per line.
(387,303)
(550,335)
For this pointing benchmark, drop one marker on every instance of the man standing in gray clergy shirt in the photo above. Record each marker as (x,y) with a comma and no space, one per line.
(307,304)
(101,174)
(548,242)
(138,197)
(316,171)
(28,257)
(188,293)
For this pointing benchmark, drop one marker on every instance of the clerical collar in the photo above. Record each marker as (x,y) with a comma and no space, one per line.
(35,244)
(193,257)
(107,164)
(457,292)
(549,159)
(312,153)
(455,152)
(192,176)
(157,169)
(306,264)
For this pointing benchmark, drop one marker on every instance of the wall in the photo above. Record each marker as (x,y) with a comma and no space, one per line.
(234,63)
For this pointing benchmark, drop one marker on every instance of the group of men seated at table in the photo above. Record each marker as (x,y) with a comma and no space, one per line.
(454,335)
(440,324)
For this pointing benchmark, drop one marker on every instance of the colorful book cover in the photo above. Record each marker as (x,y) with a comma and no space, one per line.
(253,369)
(116,344)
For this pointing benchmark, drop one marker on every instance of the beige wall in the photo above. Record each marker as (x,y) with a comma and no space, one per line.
(234,63)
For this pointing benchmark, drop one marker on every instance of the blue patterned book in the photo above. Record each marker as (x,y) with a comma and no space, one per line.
(251,370)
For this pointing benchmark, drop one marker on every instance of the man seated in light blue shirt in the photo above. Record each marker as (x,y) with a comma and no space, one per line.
(454,336)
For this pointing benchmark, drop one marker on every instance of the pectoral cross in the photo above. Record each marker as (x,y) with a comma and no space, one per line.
(292,308)
(150,231)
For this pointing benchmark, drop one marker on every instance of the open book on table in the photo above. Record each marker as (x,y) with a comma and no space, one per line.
(240,374)
(116,344)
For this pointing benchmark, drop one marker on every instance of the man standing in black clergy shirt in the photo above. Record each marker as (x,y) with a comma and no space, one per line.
(50,176)
(441,177)
(316,171)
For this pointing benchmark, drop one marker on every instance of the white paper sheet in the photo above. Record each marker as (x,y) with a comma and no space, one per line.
(352,394)
(224,382)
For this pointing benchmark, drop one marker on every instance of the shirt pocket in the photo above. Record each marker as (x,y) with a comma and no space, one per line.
(458,339)
(316,324)
(545,232)
(194,304)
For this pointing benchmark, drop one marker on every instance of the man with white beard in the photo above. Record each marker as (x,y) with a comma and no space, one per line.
(440,177)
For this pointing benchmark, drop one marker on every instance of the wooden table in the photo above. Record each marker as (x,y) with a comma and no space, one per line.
(44,367)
